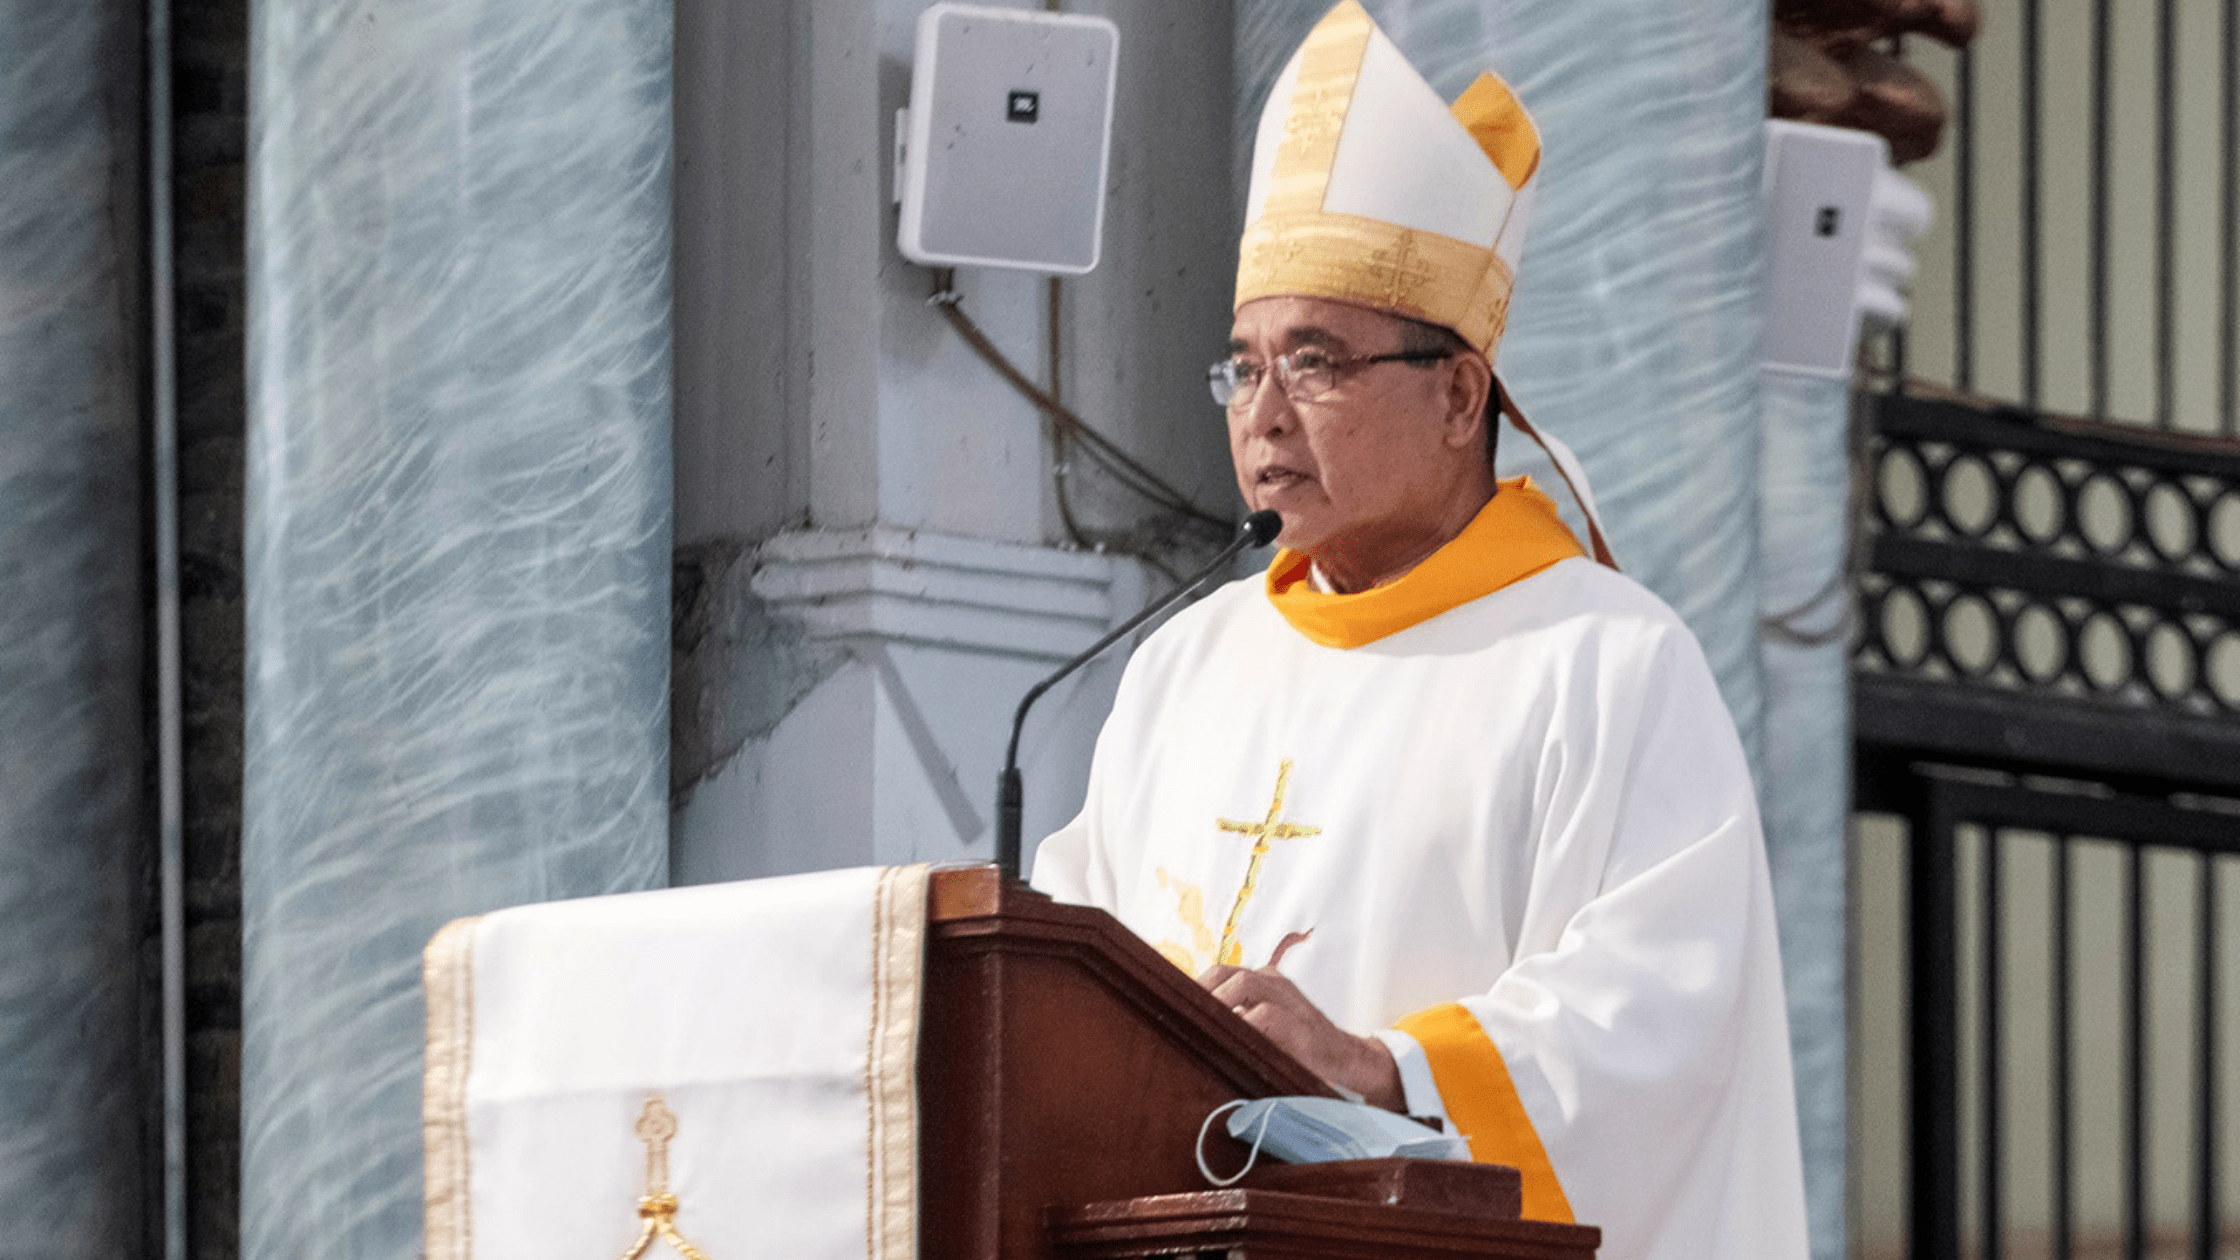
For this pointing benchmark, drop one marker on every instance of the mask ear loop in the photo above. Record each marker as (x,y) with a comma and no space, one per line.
(1258,1136)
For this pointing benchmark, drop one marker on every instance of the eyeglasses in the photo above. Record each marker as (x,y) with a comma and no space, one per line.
(1305,374)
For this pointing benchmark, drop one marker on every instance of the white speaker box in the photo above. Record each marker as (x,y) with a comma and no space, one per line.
(1820,185)
(1001,156)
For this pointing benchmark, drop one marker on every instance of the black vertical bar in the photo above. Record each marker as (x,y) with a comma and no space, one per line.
(2208,1214)
(2166,217)
(1963,222)
(1993,991)
(2135,1059)
(2097,255)
(2228,322)
(1933,1031)
(2064,1126)
(2032,334)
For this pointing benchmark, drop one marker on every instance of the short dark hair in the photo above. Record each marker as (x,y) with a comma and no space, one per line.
(1418,337)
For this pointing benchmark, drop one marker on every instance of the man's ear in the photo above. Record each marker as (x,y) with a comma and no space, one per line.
(1467,390)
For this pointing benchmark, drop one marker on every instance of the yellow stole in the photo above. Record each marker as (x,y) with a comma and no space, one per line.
(1514,536)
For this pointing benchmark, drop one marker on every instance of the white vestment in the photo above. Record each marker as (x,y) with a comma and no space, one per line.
(1533,805)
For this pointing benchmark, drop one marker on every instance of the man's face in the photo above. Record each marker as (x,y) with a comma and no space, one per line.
(1368,469)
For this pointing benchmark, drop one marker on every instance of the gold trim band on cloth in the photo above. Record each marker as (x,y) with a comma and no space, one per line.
(447,969)
(1329,70)
(898,933)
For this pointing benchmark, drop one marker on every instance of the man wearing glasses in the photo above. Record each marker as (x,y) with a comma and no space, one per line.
(1446,808)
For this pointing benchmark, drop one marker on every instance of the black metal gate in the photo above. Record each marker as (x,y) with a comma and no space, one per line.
(2049,655)
(2047,663)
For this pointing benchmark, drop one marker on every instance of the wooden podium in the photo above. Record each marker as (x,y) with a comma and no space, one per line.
(1064,1069)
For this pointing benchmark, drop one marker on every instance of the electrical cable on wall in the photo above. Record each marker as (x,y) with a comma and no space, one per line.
(1070,433)
(1054,373)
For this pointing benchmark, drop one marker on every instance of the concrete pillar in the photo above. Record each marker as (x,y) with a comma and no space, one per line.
(457,547)
(71,750)
(872,563)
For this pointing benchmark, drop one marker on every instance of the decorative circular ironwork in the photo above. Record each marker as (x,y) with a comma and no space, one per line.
(1973,634)
(2063,645)
(1969,498)
(2037,506)
(2058,505)
(2163,530)
(2104,515)
(2220,528)
(2220,669)
(2039,645)
(1905,626)
(2171,660)
(2173,522)
(1902,489)
(2104,651)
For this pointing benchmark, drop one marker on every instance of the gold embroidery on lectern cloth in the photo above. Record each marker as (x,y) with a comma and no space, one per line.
(1264,834)
(657,1208)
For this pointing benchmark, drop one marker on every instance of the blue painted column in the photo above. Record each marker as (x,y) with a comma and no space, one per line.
(71,750)
(457,546)
(1806,606)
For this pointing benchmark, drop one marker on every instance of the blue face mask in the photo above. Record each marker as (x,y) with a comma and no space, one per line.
(1309,1130)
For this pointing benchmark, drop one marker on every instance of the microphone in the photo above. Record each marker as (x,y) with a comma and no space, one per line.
(1258,530)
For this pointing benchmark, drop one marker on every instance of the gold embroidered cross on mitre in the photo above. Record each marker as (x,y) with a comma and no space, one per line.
(1264,834)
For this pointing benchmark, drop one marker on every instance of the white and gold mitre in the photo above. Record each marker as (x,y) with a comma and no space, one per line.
(1367,188)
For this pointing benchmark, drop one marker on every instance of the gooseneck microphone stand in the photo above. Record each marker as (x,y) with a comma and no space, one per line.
(1258,530)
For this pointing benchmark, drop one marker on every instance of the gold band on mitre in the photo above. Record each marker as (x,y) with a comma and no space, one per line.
(1368,189)
(1405,271)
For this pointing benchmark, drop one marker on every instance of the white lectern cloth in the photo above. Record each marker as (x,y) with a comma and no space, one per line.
(777,1019)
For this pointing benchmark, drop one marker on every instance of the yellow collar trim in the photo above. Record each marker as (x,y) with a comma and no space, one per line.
(1514,536)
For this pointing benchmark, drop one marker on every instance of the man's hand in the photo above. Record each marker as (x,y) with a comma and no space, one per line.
(1271,1003)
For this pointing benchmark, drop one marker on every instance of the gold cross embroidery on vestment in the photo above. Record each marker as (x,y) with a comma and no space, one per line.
(1263,835)
(657,1209)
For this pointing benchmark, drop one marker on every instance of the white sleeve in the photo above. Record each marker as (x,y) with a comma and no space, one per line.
(1061,862)
(1419,1091)
(1637,1045)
